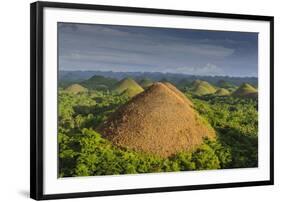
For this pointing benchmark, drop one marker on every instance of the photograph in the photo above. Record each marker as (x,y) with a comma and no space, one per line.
(139,100)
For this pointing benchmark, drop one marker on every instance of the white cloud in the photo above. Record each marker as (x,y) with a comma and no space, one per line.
(208,69)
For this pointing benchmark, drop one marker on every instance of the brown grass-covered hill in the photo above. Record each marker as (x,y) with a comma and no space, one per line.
(76,88)
(179,93)
(160,121)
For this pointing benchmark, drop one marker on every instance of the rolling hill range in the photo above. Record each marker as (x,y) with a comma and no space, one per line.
(76,88)
(181,80)
(128,86)
(97,82)
(149,125)
(246,90)
(202,88)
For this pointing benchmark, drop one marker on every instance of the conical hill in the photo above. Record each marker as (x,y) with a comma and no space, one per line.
(178,93)
(76,88)
(222,92)
(245,90)
(128,86)
(131,92)
(159,121)
(202,88)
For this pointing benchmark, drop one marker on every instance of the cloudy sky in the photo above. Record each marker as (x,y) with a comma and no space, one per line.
(146,49)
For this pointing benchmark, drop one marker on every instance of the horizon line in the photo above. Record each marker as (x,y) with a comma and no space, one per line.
(160,73)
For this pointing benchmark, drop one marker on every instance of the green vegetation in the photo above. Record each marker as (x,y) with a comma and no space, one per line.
(128,86)
(84,152)
(99,83)
(183,84)
(146,82)
(236,123)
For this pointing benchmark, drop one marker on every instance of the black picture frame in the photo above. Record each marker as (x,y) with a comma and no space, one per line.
(36,99)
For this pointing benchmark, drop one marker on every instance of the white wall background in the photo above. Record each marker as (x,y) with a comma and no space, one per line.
(14,100)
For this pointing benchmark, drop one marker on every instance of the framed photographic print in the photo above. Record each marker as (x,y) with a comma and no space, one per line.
(135,100)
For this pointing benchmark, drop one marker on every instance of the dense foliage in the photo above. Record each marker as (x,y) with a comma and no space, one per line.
(236,123)
(97,82)
(83,152)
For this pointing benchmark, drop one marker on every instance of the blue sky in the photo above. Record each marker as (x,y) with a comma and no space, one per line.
(147,49)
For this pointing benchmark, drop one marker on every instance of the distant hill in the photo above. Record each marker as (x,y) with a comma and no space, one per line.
(164,80)
(246,90)
(202,88)
(70,77)
(159,121)
(97,82)
(128,86)
(225,84)
(184,83)
(222,92)
(76,88)
(145,83)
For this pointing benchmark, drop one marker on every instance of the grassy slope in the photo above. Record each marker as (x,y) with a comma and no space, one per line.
(202,88)
(129,86)
(222,92)
(245,90)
